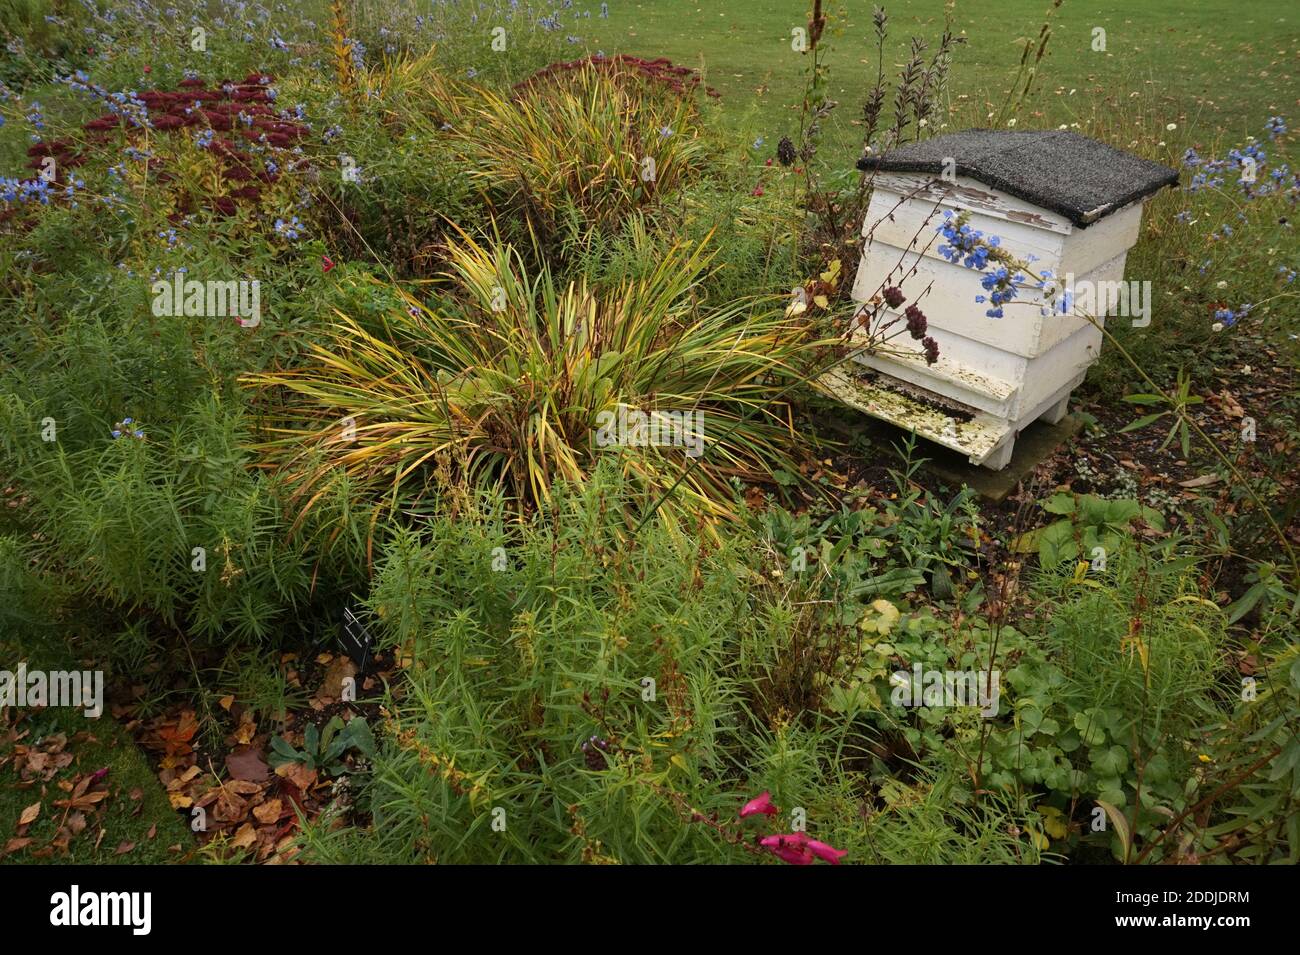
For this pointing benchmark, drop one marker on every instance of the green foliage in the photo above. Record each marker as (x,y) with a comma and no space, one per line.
(1178,402)
(1088,522)
(323,748)
(1253,778)
(597,690)
(1107,710)
(1144,716)
(173,522)
(395,183)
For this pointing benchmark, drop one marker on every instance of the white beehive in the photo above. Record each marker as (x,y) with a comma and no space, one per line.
(1070,203)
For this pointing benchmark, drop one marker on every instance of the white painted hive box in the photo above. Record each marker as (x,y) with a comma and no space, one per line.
(1063,202)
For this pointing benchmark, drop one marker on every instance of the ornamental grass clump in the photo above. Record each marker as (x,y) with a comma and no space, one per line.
(601,143)
(512,379)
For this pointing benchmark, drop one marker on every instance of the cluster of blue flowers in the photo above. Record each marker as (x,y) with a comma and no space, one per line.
(964,243)
(291,230)
(124,103)
(24,190)
(33,190)
(971,248)
(1248,161)
(1001,286)
(36,118)
(126,428)
(1228,317)
(1205,180)
(357,50)
(976,251)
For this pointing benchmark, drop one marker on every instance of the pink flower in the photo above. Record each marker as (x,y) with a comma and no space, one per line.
(758,190)
(326,263)
(760,804)
(797,848)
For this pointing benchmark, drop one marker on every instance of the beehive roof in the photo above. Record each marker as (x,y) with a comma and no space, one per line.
(1059,170)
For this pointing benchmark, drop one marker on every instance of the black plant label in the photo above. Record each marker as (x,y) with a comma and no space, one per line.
(356,639)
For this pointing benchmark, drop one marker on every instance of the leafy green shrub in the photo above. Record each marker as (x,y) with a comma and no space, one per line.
(1090,527)
(1106,707)
(393,184)
(573,693)
(38,37)
(171,521)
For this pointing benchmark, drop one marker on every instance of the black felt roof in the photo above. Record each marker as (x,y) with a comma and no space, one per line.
(1080,178)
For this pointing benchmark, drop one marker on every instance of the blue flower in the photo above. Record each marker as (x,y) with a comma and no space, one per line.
(291,230)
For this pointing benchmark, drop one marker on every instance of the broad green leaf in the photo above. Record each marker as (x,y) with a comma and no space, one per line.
(1060,503)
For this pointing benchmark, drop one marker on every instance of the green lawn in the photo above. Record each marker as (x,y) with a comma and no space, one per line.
(1203,62)
(136,817)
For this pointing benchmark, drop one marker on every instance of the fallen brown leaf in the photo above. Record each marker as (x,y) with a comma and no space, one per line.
(246,762)
(245,838)
(268,812)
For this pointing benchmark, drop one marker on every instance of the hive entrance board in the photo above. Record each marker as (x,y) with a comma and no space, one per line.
(975,434)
